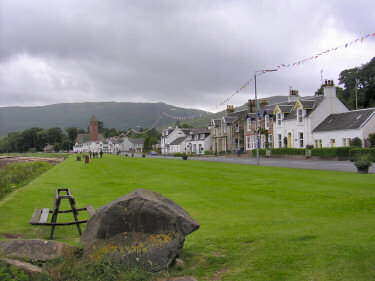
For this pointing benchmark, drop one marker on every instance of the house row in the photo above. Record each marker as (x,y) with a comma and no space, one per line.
(320,121)
(111,145)
(178,140)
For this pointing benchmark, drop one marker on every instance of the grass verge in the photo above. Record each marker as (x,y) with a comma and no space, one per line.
(257,223)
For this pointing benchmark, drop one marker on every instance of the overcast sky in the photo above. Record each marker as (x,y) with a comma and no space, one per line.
(185,53)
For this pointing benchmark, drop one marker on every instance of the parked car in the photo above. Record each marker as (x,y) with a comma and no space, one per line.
(153,153)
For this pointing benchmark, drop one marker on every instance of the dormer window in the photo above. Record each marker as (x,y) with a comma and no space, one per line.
(299,115)
(202,136)
(267,122)
(278,118)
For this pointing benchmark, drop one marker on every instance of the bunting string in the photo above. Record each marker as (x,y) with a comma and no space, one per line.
(248,83)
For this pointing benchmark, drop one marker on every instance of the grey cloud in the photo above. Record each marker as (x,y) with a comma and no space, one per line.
(184,53)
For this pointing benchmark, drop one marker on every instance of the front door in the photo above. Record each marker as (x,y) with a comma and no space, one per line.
(290,140)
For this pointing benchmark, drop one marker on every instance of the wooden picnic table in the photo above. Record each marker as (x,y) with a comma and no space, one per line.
(40,216)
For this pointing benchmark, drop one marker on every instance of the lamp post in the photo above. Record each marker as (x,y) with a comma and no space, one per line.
(257,108)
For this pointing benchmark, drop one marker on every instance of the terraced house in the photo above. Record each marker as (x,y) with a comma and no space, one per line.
(227,133)
(295,120)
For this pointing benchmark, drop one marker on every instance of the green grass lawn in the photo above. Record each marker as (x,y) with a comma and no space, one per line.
(257,223)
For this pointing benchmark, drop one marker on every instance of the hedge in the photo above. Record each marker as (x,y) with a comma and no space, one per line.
(341,152)
(356,152)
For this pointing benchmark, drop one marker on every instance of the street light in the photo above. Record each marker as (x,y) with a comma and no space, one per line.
(257,108)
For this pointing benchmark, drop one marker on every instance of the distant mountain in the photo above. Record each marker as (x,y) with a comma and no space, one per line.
(203,121)
(119,115)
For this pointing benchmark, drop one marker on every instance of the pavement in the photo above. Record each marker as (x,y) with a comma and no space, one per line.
(342,166)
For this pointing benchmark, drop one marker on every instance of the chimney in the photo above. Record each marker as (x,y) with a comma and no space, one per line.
(251,106)
(293,95)
(262,105)
(230,109)
(329,89)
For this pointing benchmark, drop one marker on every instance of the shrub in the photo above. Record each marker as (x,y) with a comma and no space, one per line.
(12,274)
(309,146)
(356,142)
(371,139)
(208,152)
(177,154)
(17,174)
(356,153)
(363,162)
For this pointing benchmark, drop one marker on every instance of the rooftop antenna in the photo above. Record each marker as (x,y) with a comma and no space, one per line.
(321,75)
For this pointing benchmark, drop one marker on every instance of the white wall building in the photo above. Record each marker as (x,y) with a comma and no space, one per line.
(339,129)
(296,119)
(198,141)
(169,135)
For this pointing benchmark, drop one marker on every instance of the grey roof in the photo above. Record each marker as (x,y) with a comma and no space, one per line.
(178,141)
(195,131)
(238,114)
(229,119)
(186,131)
(345,121)
(137,141)
(216,122)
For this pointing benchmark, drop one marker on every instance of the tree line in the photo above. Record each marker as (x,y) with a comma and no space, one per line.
(359,86)
(36,139)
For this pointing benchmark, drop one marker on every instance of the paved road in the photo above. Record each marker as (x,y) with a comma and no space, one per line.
(344,166)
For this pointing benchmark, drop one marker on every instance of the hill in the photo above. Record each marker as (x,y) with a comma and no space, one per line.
(119,115)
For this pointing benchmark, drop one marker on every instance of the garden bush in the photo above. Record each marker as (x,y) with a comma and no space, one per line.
(16,175)
(356,153)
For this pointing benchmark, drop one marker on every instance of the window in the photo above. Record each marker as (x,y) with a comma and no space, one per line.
(253,141)
(202,136)
(263,141)
(190,137)
(344,142)
(320,143)
(237,128)
(280,141)
(248,124)
(316,144)
(247,142)
(270,141)
(333,143)
(299,115)
(196,137)
(267,122)
(278,118)
(300,139)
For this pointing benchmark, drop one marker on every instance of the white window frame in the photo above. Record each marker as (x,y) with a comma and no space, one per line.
(247,142)
(248,124)
(267,122)
(280,140)
(278,118)
(237,128)
(299,115)
(196,137)
(202,136)
(263,141)
(300,140)
(270,141)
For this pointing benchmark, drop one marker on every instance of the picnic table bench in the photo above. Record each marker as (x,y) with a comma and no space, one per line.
(40,216)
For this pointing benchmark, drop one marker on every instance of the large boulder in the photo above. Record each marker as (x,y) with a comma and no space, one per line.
(142,227)
(35,249)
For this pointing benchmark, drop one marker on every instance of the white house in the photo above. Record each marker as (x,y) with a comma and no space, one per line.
(338,129)
(198,141)
(132,145)
(169,135)
(296,119)
(178,145)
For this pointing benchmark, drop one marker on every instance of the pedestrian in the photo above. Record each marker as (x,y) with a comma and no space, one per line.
(101,153)
(90,154)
